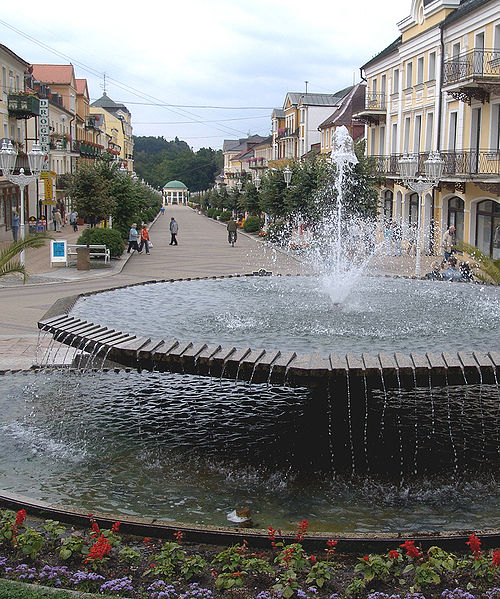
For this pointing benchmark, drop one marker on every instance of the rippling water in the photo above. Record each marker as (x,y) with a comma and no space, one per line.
(193,449)
(296,314)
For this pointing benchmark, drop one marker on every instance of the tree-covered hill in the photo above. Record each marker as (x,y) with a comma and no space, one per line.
(159,161)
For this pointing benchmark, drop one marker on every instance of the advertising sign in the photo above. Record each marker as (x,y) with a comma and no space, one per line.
(45,132)
(58,251)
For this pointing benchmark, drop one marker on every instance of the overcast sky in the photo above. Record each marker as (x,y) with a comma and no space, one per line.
(167,60)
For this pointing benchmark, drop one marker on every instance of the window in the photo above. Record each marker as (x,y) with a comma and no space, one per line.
(432,66)
(413,209)
(420,70)
(406,144)
(455,50)
(456,217)
(372,141)
(387,205)
(409,74)
(429,131)
(417,133)
(382,141)
(452,132)
(495,127)
(394,146)
(488,228)
(395,81)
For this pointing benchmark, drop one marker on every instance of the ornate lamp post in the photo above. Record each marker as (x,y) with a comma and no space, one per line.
(433,168)
(256,182)
(239,185)
(8,156)
(287,175)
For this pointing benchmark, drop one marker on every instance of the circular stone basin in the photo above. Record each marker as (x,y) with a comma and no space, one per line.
(192,449)
(296,314)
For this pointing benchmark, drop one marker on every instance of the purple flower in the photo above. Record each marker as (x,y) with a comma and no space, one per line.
(159,589)
(117,585)
(196,592)
(456,594)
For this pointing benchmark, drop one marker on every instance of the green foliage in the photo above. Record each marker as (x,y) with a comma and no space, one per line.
(99,236)
(129,556)
(30,542)
(278,232)
(360,196)
(167,560)
(376,566)
(159,161)
(249,200)
(72,546)
(488,269)
(356,588)
(320,573)
(287,583)
(53,530)
(252,224)
(7,520)
(229,560)
(229,580)
(225,216)
(192,566)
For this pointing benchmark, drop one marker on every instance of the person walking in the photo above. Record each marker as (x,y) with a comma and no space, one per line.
(58,221)
(174,229)
(144,239)
(73,220)
(133,236)
(15,226)
(448,244)
(162,210)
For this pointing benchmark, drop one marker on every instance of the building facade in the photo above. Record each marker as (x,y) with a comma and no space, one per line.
(437,88)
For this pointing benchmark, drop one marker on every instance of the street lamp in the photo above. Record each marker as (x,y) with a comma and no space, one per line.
(433,168)
(239,185)
(256,182)
(8,156)
(287,174)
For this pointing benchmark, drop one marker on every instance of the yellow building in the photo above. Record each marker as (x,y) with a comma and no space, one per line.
(437,88)
(117,123)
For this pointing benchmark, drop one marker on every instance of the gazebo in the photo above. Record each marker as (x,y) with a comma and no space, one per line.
(175,192)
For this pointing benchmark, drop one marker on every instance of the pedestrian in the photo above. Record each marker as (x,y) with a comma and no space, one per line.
(54,210)
(452,273)
(15,225)
(133,236)
(174,229)
(412,240)
(73,220)
(58,221)
(144,239)
(162,210)
(448,244)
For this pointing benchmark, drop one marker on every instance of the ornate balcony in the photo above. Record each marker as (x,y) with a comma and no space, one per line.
(464,165)
(375,109)
(287,132)
(473,75)
(23,106)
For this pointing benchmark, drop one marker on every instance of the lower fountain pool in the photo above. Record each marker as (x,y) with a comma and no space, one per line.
(192,449)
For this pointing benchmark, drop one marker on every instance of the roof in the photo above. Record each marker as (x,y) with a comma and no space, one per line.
(240,145)
(55,74)
(175,185)
(108,104)
(14,55)
(81,86)
(315,99)
(386,51)
(466,6)
(352,103)
(278,113)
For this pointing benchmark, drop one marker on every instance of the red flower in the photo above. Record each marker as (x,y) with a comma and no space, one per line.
(331,543)
(394,554)
(147,540)
(20,517)
(312,559)
(115,526)
(271,533)
(495,560)
(366,558)
(152,565)
(411,550)
(178,536)
(474,544)
(99,549)
(302,528)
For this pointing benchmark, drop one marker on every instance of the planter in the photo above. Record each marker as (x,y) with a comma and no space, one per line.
(83,259)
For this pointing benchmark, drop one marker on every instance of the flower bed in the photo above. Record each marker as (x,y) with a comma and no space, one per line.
(105,562)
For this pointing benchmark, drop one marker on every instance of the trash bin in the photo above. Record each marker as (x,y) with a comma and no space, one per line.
(41,225)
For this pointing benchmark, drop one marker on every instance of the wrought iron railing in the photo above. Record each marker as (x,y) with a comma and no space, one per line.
(463,163)
(375,101)
(470,65)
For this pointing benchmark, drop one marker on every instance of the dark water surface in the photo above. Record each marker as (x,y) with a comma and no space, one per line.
(193,449)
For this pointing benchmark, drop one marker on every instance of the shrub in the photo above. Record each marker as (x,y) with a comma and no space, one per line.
(278,232)
(225,216)
(111,238)
(252,224)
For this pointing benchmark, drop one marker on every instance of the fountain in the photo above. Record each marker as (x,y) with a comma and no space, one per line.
(354,411)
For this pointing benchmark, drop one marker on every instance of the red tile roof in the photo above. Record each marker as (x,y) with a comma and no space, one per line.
(53,73)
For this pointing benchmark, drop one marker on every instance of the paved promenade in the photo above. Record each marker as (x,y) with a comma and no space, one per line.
(203,250)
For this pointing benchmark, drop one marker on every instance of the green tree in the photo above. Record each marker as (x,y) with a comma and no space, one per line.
(249,199)
(273,194)
(360,195)
(488,269)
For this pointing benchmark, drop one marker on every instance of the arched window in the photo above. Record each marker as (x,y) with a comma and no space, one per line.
(488,227)
(413,209)
(387,205)
(456,216)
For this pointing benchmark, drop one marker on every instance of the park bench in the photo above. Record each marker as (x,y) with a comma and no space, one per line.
(95,251)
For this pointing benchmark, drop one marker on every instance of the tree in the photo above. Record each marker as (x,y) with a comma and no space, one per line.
(360,195)
(249,199)
(8,264)
(489,268)
(273,193)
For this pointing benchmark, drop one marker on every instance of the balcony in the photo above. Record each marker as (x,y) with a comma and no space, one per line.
(257,163)
(473,75)
(375,109)
(287,132)
(23,106)
(464,165)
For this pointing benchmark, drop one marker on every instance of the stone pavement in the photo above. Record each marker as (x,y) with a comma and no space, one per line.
(203,250)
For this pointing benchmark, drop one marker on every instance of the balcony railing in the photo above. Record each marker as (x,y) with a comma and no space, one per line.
(464,163)
(288,132)
(375,101)
(23,106)
(475,64)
